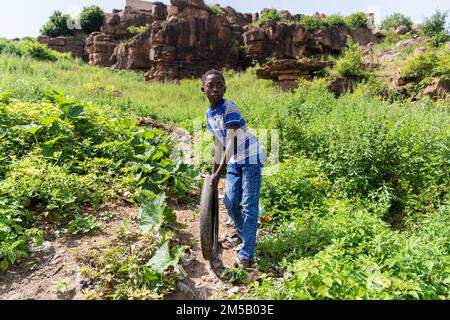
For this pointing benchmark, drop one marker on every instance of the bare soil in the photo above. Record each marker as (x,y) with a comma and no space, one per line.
(38,277)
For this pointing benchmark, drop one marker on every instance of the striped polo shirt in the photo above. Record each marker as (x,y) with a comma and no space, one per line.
(226,114)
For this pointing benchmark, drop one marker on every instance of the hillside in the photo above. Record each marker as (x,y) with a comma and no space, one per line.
(95,203)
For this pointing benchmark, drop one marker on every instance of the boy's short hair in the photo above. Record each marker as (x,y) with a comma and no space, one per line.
(212,72)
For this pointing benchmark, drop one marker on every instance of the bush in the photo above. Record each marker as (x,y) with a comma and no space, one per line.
(91,19)
(214,9)
(439,39)
(351,63)
(428,64)
(435,24)
(333,21)
(30,48)
(312,23)
(56,26)
(356,20)
(269,14)
(396,20)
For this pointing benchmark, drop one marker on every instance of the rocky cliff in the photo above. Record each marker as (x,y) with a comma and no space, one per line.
(186,39)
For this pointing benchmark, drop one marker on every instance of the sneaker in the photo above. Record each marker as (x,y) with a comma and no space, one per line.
(230,241)
(243,263)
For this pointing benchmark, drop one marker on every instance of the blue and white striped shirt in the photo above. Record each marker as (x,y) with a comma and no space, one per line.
(225,115)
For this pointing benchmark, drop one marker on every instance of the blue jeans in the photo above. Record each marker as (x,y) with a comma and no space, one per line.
(244,186)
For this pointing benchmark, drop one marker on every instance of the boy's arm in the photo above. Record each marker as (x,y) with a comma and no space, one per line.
(219,161)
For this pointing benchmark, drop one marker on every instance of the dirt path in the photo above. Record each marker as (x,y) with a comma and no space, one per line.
(56,266)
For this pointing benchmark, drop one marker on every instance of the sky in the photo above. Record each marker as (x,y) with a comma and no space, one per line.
(22,18)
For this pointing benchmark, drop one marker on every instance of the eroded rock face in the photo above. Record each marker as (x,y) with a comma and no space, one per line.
(117,24)
(188,8)
(72,44)
(100,48)
(193,45)
(287,71)
(438,89)
(289,41)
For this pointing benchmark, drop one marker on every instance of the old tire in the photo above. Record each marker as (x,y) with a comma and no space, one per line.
(209,220)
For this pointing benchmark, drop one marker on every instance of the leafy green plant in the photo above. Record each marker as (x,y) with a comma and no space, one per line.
(136,29)
(351,62)
(214,9)
(91,19)
(356,20)
(435,24)
(396,20)
(83,225)
(56,25)
(269,14)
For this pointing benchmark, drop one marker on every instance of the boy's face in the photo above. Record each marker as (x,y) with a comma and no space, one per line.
(214,89)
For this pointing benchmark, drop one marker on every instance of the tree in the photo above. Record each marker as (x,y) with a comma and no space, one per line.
(56,26)
(435,24)
(396,20)
(91,19)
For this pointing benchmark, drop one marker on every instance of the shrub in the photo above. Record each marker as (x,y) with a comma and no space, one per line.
(91,19)
(56,26)
(428,64)
(356,20)
(435,24)
(351,63)
(335,20)
(439,39)
(39,51)
(396,20)
(269,14)
(312,23)
(136,30)
(214,9)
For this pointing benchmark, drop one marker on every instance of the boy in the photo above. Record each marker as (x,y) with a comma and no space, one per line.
(237,149)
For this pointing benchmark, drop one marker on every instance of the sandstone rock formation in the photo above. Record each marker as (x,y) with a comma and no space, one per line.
(287,71)
(72,44)
(185,40)
(438,89)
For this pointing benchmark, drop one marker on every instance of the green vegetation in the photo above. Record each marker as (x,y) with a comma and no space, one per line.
(56,25)
(435,24)
(269,14)
(359,208)
(316,22)
(136,30)
(396,20)
(356,20)
(30,48)
(59,156)
(214,9)
(351,63)
(91,19)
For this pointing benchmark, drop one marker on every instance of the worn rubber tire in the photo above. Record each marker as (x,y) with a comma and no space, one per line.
(209,220)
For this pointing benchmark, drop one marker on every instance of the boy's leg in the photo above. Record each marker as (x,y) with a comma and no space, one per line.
(233,197)
(251,189)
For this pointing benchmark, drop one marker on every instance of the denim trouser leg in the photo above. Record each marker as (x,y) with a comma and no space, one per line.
(244,185)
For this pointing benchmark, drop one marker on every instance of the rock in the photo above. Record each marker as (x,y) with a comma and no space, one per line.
(193,45)
(236,18)
(438,89)
(419,51)
(117,24)
(100,48)
(415,29)
(407,43)
(189,8)
(72,44)
(341,85)
(185,288)
(364,36)
(377,32)
(285,15)
(401,30)
(45,248)
(287,71)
